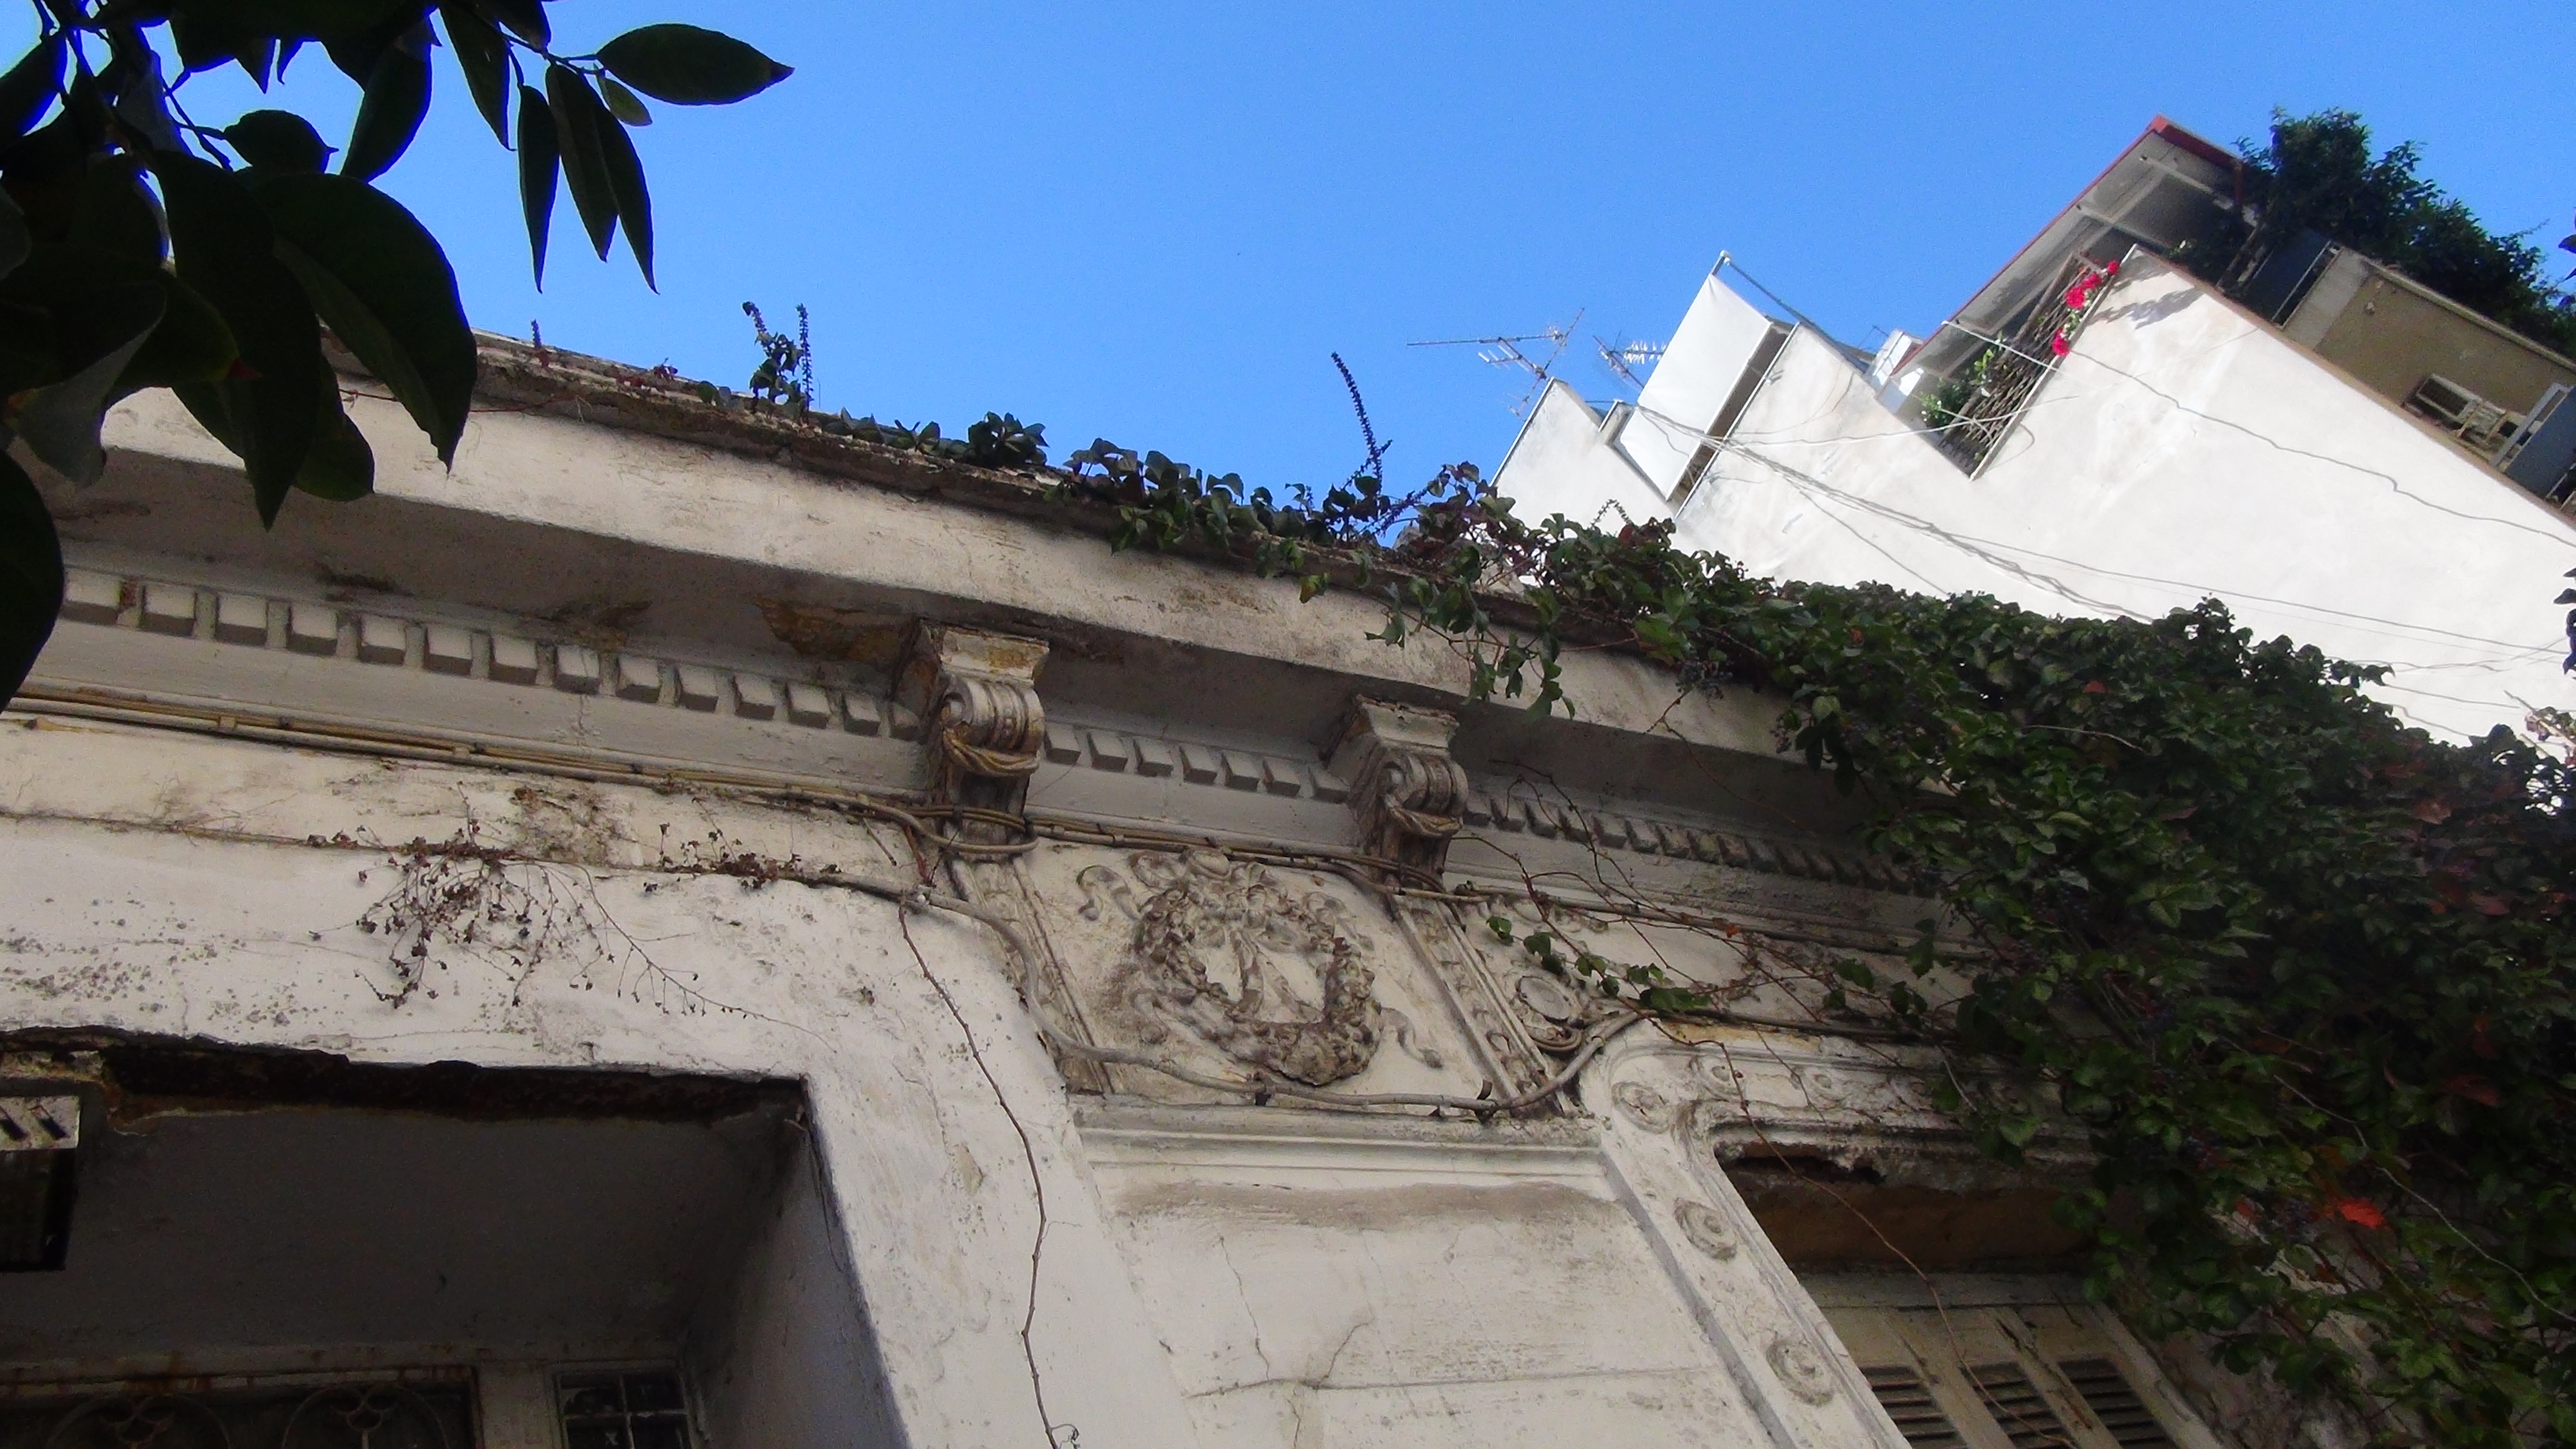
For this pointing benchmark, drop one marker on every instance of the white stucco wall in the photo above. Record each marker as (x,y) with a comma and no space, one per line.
(1716,341)
(2181,450)
(1576,450)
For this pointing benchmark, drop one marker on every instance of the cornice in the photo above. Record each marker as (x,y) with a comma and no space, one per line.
(520,377)
(256,663)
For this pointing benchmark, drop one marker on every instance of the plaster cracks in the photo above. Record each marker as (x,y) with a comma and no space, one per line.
(1037,1185)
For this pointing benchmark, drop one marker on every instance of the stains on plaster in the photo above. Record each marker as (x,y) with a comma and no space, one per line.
(600,623)
(342,587)
(828,632)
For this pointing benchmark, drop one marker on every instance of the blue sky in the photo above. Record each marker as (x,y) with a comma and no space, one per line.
(1155,223)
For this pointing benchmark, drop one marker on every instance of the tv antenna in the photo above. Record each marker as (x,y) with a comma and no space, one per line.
(1624,358)
(1505,352)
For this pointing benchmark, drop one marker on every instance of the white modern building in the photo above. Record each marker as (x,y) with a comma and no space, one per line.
(2360,465)
(690,930)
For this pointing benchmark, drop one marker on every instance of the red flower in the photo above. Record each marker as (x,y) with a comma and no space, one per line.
(2361,1212)
(2057,345)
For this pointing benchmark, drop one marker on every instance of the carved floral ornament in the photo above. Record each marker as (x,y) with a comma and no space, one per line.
(1707,1230)
(1231,953)
(1800,1367)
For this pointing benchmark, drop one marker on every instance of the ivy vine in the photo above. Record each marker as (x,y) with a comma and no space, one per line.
(2301,972)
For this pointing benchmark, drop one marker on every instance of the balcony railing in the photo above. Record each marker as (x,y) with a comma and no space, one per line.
(1970,411)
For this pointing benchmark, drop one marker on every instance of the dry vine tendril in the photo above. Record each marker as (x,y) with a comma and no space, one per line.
(2303,974)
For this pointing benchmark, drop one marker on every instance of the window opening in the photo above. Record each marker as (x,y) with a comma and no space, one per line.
(1908,1400)
(38,1136)
(2106,1391)
(636,1409)
(2018,1407)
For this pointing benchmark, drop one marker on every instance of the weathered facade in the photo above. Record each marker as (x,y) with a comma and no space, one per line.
(689,930)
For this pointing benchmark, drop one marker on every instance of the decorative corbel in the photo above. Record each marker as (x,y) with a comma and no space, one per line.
(1405,788)
(983,728)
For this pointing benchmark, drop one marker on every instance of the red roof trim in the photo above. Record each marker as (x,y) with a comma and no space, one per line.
(2160,129)
(2201,147)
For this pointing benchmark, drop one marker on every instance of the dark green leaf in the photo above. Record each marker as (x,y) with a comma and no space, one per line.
(115,220)
(143,100)
(634,204)
(580,121)
(257,58)
(192,344)
(357,50)
(397,97)
(211,404)
(339,466)
(46,331)
(320,19)
(278,141)
(484,57)
(44,169)
(31,575)
(225,249)
(30,85)
(525,18)
(205,41)
(622,103)
(538,155)
(15,240)
(381,282)
(690,66)
(60,422)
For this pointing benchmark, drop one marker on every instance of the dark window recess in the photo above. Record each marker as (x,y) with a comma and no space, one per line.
(2278,286)
(637,1410)
(342,1416)
(35,1210)
(2106,1392)
(2019,1410)
(1907,1400)
(37,1138)
(1807,1166)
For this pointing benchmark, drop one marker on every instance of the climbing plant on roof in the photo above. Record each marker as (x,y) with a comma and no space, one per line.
(2306,976)
(142,247)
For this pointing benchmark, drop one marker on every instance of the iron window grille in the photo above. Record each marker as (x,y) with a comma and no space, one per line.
(623,1409)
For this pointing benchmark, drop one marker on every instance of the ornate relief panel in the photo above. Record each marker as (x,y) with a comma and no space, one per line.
(1235,969)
